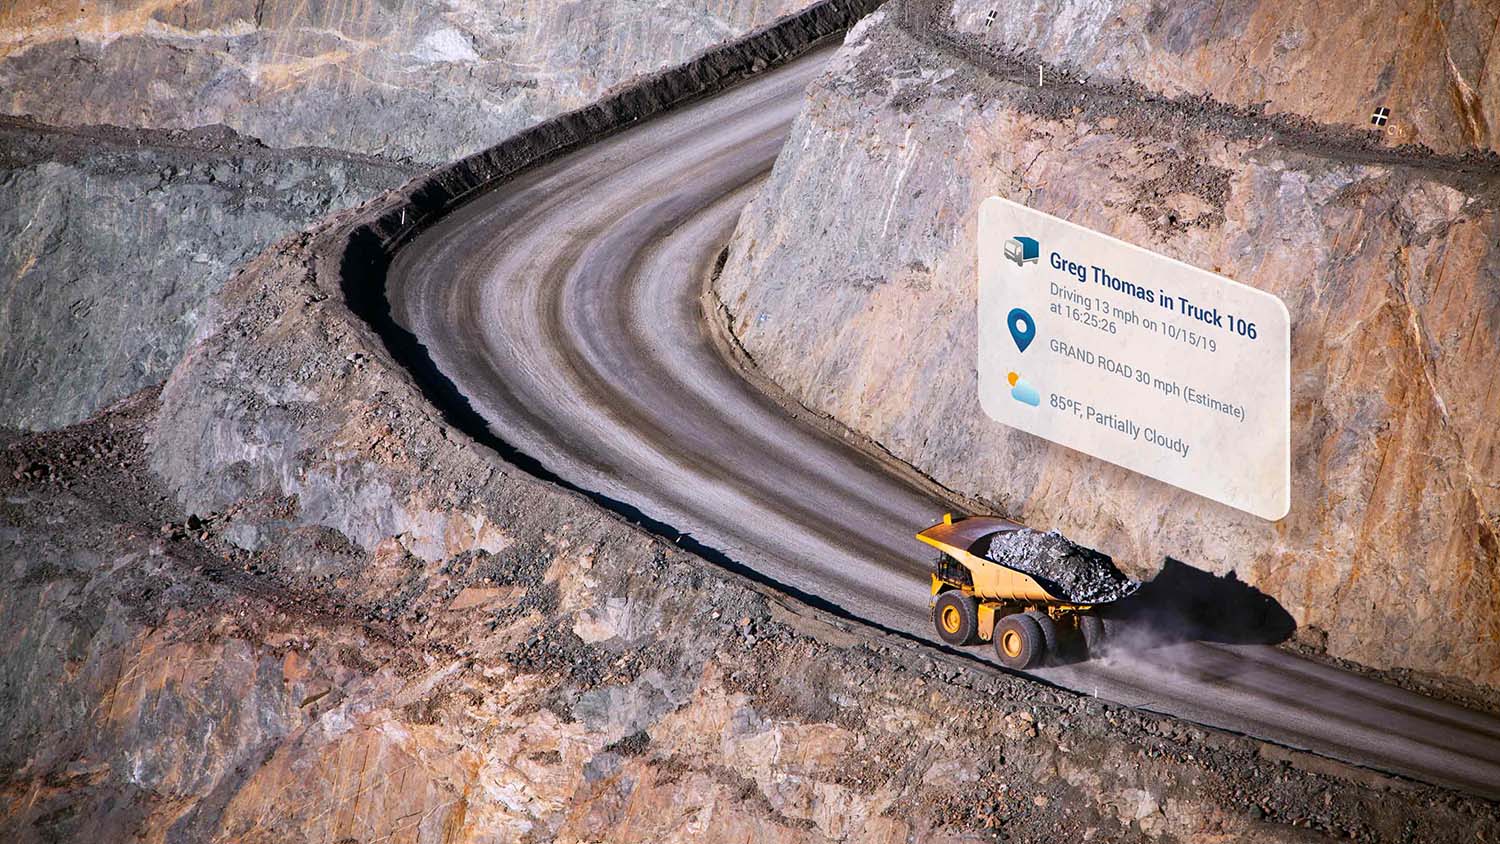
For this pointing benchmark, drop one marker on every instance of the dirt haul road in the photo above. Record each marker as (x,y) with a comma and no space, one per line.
(565,307)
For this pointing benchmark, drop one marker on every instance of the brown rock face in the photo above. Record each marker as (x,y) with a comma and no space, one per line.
(852,283)
(1435,66)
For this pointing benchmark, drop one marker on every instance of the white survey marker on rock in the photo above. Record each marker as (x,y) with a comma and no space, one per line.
(1142,360)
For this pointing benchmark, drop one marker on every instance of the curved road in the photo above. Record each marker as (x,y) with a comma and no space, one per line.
(566,308)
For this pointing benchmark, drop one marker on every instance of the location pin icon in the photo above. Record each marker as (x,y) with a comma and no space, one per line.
(1022,328)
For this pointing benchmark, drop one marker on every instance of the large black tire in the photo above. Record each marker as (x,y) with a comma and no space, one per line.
(1018,642)
(956,617)
(1092,628)
(1049,632)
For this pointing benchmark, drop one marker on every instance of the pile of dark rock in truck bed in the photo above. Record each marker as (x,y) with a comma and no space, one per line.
(1068,570)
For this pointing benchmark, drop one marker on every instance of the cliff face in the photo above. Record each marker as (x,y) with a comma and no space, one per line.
(112,248)
(112,242)
(428,80)
(851,282)
(1435,66)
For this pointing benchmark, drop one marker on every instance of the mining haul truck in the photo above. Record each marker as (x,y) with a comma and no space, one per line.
(977,599)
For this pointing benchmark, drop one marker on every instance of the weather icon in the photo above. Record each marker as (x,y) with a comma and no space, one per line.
(1022,391)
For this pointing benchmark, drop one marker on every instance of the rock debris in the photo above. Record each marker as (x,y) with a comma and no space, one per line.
(1069,570)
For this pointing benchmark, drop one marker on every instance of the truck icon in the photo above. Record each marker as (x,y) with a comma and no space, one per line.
(1022,250)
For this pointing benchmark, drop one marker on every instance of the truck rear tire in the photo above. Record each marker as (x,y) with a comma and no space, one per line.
(1019,643)
(1049,632)
(956,617)
(1092,628)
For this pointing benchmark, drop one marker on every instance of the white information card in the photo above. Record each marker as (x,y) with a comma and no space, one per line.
(1135,358)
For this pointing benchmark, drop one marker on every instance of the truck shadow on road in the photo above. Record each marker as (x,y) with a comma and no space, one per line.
(1186,603)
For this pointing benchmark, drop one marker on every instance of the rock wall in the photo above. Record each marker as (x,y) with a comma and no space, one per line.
(112,242)
(428,80)
(1435,66)
(111,248)
(850,280)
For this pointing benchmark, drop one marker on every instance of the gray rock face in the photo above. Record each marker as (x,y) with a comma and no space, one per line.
(429,80)
(109,251)
(851,283)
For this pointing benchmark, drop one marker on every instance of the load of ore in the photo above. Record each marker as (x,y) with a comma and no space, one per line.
(1068,570)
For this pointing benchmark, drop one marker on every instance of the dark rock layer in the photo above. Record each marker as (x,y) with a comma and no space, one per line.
(1066,569)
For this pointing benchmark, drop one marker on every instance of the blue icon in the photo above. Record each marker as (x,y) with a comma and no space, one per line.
(1022,391)
(1022,250)
(1022,327)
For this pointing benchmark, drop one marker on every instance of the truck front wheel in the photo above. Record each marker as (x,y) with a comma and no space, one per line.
(1019,642)
(956,617)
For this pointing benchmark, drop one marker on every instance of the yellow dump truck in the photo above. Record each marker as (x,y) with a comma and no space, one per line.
(976,599)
